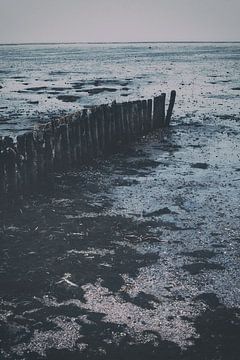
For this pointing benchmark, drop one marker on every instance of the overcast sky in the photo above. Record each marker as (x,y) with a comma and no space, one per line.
(119,20)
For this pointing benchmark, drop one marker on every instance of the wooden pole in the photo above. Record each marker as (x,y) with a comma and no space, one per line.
(126,129)
(99,129)
(10,167)
(92,150)
(21,162)
(145,119)
(170,107)
(149,115)
(107,127)
(64,146)
(139,117)
(102,128)
(31,164)
(79,146)
(48,154)
(84,118)
(70,140)
(162,110)
(2,169)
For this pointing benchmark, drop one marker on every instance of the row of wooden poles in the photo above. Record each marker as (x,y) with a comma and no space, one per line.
(74,139)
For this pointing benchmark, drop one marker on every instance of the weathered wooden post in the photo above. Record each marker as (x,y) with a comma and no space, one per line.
(57,156)
(64,146)
(149,115)
(125,122)
(31,166)
(48,154)
(75,138)
(10,167)
(21,162)
(170,107)
(78,135)
(144,116)
(84,126)
(74,142)
(162,110)
(120,122)
(2,169)
(111,126)
(68,141)
(134,118)
(139,117)
(40,159)
(70,136)
(115,122)
(107,128)
(159,111)
(99,129)
(93,151)
(102,128)
(129,117)
(156,107)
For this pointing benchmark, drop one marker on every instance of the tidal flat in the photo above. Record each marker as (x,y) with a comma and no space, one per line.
(135,255)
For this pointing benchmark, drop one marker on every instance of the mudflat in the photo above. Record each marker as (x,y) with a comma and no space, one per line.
(41,82)
(133,256)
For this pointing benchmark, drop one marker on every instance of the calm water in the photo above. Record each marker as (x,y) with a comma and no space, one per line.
(38,82)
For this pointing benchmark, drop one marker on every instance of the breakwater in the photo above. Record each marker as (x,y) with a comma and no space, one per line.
(67,142)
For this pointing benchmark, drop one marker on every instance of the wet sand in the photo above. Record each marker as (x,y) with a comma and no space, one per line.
(135,256)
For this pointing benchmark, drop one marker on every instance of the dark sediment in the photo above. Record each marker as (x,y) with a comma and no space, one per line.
(68,98)
(39,88)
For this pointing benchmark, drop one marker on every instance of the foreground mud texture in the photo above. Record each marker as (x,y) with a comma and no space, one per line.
(133,257)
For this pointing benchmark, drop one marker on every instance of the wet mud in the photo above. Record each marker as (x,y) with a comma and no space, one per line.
(68,98)
(36,84)
(135,256)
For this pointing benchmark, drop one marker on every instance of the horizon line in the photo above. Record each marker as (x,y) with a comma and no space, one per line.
(119,42)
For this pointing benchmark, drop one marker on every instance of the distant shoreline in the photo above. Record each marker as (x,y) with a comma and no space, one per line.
(119,42)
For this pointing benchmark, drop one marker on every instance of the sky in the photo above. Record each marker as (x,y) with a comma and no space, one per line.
(118,20)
